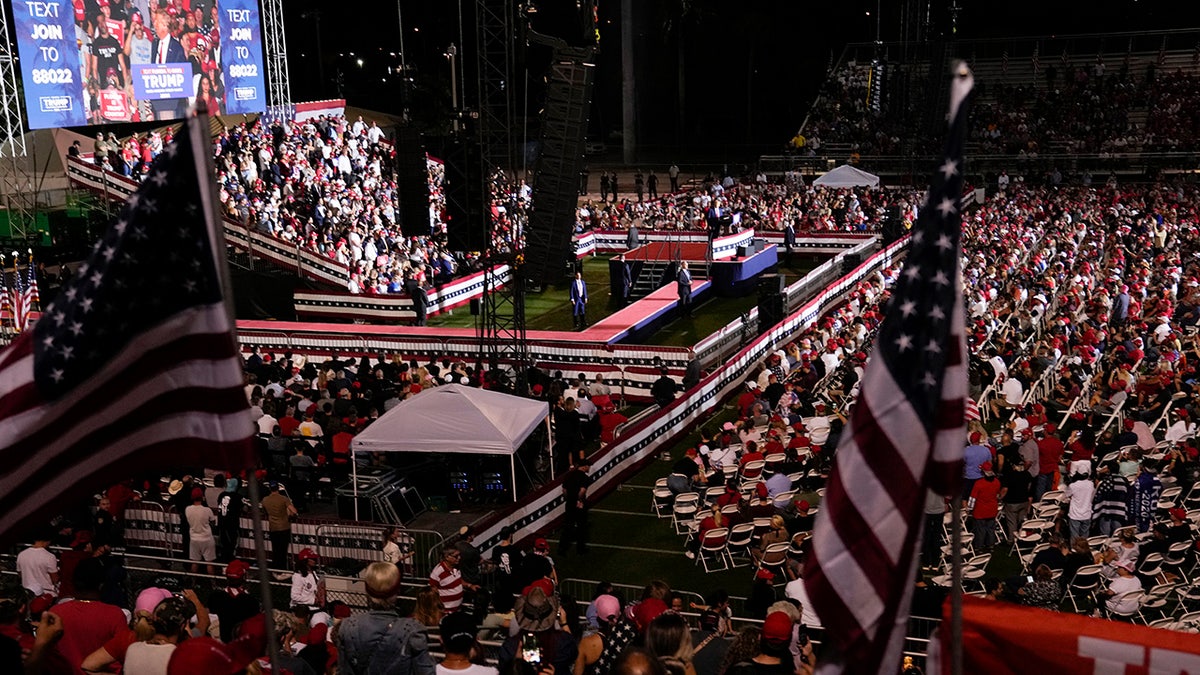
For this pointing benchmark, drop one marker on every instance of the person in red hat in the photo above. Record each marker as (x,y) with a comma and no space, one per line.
(233,603)
(984,505)
(200,520)
(308,588)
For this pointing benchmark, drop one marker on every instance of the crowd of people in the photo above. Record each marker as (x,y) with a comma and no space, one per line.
(328,185)
(727,205)
(1073,108)
(1082,308)
(1082,463)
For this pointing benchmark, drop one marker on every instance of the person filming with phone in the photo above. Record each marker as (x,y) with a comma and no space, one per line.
(540,642)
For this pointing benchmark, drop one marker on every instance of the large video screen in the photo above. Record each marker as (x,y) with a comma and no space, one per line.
(103,61)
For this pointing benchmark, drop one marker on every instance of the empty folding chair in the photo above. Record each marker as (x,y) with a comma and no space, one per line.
(738,546)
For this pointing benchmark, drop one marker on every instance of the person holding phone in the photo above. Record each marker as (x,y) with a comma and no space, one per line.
(540,642)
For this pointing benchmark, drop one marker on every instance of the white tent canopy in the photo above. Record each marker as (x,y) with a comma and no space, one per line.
(455,419)
(848,176)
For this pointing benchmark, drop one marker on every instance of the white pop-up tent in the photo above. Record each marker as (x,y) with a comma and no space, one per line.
(848,176)
(455,419)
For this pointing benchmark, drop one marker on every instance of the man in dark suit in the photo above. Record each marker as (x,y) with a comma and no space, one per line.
(419,299)
(579,298)
(626,279)
(166,49)
(789,238)
(683,283)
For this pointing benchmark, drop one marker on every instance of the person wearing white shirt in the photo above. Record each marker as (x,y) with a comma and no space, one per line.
(38,567)
(796,591)
(1079,493)
(1181,429)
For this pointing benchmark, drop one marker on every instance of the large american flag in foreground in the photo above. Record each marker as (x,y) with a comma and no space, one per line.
(134,366)
(906,435)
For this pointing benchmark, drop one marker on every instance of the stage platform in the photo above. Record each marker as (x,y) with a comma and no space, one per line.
(666,250)
(617,327)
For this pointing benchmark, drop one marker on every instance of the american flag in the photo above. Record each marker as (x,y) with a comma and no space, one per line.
(6,304)
(1004,62)
(1037,63)
(1162,53)
(134,366)
(905,436)
(972,410)
(28,299)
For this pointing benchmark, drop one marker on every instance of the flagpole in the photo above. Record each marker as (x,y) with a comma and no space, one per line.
(961,74)
(956,590)
(197,127)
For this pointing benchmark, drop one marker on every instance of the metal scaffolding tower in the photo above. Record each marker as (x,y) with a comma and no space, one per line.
(497,31)
(16,179)
(501,327)
(279,88)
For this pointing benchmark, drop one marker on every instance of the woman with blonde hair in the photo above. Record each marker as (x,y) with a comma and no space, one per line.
(428,610)
(670,641)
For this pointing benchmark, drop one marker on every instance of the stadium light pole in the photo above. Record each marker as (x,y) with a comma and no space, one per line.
(452,55)
(403,65)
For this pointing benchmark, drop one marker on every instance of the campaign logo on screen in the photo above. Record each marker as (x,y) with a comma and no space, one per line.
(85,62)
(50,62)
(168,80)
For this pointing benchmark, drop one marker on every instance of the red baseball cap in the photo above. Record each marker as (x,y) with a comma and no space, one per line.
(197,493)
(237,569)
(540,544)
(648,610)
(777,628)
(761,489)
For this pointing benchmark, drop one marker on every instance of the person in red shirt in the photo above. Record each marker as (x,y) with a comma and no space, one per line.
(88,623)
(751,455)
(984,504)
(1050,452)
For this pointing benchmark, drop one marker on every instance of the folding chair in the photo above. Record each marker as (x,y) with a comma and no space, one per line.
(740,536)
(773,558)
(1084,584)
(684,512)
(661,502)
(713,548)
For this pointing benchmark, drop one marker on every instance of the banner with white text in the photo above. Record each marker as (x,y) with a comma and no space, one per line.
(1001,638)
(103,61)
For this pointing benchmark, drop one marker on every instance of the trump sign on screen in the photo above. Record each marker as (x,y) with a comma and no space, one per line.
(100,61)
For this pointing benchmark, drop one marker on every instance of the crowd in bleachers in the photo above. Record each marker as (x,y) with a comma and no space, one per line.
(729,205)
(1068,109)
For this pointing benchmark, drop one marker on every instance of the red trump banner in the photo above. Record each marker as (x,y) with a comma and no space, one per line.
(1001,638)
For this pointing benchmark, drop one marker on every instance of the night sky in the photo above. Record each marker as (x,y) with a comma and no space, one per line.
(750,67)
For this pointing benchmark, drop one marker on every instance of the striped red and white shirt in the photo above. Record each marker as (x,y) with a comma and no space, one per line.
(449,584)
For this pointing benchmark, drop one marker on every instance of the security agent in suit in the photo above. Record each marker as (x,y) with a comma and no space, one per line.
(419,299)
(626,279)
(166,49)
(579,298)
(683,284)
(789,237)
